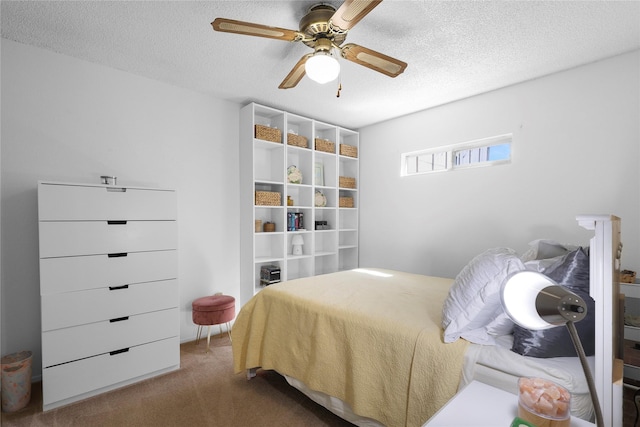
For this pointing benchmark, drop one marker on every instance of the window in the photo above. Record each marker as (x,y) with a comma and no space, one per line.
(484,152)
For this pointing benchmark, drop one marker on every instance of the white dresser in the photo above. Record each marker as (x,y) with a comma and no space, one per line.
(108,287)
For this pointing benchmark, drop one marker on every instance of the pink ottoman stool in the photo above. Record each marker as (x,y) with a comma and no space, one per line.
(213,310)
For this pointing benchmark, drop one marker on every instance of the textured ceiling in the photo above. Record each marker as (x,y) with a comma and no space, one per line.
(455,49)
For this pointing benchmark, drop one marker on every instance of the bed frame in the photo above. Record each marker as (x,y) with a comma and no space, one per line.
(605,253)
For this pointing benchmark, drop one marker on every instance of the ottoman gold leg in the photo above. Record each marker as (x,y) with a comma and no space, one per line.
(198,334)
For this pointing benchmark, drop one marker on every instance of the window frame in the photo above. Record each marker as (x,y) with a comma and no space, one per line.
(450,152)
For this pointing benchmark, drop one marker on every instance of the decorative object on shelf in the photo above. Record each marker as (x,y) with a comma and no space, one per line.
(319,174)
(534,301)
(268,133)
(289,201)
(297,242)
(267,198)
(627,276)
(294,175)
(346,182)
(269,274)
(258,225)
(325,145)
(108,180)
(322,225)
(346,202)
(269,227)
(297,140)
(320,200)
(348,150)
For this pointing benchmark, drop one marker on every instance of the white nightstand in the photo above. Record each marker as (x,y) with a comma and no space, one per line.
(482,405)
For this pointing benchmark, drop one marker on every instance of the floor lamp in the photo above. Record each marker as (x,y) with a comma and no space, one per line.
(534,301)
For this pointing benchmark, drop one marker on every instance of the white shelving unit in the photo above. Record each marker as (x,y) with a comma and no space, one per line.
(264,168)
(631,292)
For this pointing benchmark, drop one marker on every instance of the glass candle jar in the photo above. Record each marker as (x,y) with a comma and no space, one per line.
(543,403)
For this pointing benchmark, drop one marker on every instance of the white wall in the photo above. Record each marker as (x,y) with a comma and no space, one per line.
(576,150)
(576,139)
(70,120)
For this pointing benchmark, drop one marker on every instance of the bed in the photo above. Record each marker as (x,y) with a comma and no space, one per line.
(383,347)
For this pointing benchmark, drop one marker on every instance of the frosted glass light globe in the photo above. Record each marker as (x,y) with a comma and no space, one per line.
(322,68)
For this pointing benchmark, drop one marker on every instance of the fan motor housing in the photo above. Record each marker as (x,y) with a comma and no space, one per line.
(316,25)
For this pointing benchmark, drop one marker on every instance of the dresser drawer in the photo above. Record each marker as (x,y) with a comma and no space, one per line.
(59,239)
(77,202)
(78,308)
(89,375)
(79,342)
(68,274)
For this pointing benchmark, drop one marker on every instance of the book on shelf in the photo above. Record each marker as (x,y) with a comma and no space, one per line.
(295,221)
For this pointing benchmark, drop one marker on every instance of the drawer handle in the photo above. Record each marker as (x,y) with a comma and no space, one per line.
(118,319)
(118,222)
(117,288)
(116,190)
(122,350)
(117,255)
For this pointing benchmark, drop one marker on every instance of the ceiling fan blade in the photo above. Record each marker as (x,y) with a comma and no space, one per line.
(251,29)
(350,13)
(375,60)
(296,74)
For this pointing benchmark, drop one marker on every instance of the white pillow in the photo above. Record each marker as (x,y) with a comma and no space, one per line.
(473,310)
(543,253)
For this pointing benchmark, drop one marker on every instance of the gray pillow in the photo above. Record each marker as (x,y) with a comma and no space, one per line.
(572,272)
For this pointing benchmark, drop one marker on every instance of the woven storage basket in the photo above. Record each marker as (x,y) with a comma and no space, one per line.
(627,276)
(268,134)
(297,140)
(325,145)
(267,198)
(346,182)
(348,150)
(346,202)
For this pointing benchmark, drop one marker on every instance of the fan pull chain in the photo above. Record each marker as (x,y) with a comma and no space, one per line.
(339,89)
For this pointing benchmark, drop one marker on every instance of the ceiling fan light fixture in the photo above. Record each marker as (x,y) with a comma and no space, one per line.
(322,67)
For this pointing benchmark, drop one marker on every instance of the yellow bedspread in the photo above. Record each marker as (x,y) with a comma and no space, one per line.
(370,337)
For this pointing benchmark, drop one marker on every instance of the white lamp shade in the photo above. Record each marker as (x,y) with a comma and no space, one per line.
(297,240)
(322,67)
(519,293)
(535,302)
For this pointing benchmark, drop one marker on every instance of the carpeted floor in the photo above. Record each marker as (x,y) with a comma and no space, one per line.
(204,392)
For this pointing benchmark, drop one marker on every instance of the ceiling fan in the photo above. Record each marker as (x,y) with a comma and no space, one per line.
(323,29)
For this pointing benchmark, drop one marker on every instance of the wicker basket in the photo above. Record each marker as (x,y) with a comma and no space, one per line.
(267,198)
(346,202)
(627,276)
(325,145)
(297,140)
(268,134)
(346,182)
(348,150)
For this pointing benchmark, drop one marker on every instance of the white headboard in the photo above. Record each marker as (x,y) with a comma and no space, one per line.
(605,251)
